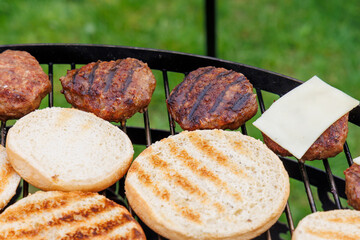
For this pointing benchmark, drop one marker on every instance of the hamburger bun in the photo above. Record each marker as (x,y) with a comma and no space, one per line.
(68,215)
(67,149)
(208,184)
(334,224)
(9,179)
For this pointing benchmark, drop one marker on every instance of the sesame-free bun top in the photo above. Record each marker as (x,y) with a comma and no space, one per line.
(334,224)
(208,184)
(67,149)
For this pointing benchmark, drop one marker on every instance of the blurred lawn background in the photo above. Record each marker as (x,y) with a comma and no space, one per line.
(298,38)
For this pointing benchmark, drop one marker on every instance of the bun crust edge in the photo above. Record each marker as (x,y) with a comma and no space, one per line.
(35,176)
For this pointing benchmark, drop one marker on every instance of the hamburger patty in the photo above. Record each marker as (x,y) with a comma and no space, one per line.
(352,185)
(329,144)
(23,84)
(212,98)
(113,90)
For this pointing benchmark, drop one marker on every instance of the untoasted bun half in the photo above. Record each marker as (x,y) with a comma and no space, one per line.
(57,215)
(208,184)
(335,224)
(9,179)
(67,149)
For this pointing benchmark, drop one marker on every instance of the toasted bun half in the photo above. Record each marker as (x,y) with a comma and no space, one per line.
(68,215)
(67,149)
(9,179)
(335,224)
(208,184)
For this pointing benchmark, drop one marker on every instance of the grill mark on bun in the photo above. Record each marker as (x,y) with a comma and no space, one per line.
(194,165)
(350,220)
(5,174)
(205,147)
(174,176)
(43,206)
(102,229)
(331,234)
(146,180)
(134,234)
(189,214)
(68,217)
(163,193)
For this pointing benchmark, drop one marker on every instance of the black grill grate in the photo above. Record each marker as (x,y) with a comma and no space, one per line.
(166,62)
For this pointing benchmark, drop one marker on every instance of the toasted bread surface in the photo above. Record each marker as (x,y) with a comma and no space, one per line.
(9,179)
(208,184)
(67,149)
(68,215)
(335,224)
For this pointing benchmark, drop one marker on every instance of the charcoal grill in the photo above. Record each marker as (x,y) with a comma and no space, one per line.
(330,187)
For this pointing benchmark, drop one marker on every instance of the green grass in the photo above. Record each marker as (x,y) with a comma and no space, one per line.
(296,38)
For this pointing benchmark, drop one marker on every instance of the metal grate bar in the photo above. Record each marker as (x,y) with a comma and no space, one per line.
(123,126)
(243,129)
(51,94)
(289,218)
(3,132)
(167,93)
(261,100)
(268,235)
(147,128)
(348,154)
(332,183)
(307,186)
(25,188)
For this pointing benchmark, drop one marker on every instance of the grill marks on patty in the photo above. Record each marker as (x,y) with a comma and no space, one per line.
(113,90)
(220,97)
(211,98)
(111,74)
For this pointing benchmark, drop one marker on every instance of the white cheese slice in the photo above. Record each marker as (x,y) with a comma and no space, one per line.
(299,117)
(357,160)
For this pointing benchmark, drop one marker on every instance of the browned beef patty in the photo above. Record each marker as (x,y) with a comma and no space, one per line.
(352,185)
(23,84)
(212,98)
(329,144)
(113,90)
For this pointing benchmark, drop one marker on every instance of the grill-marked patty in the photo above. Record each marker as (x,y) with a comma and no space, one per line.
(113,90)
(210,98)
(23,84)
